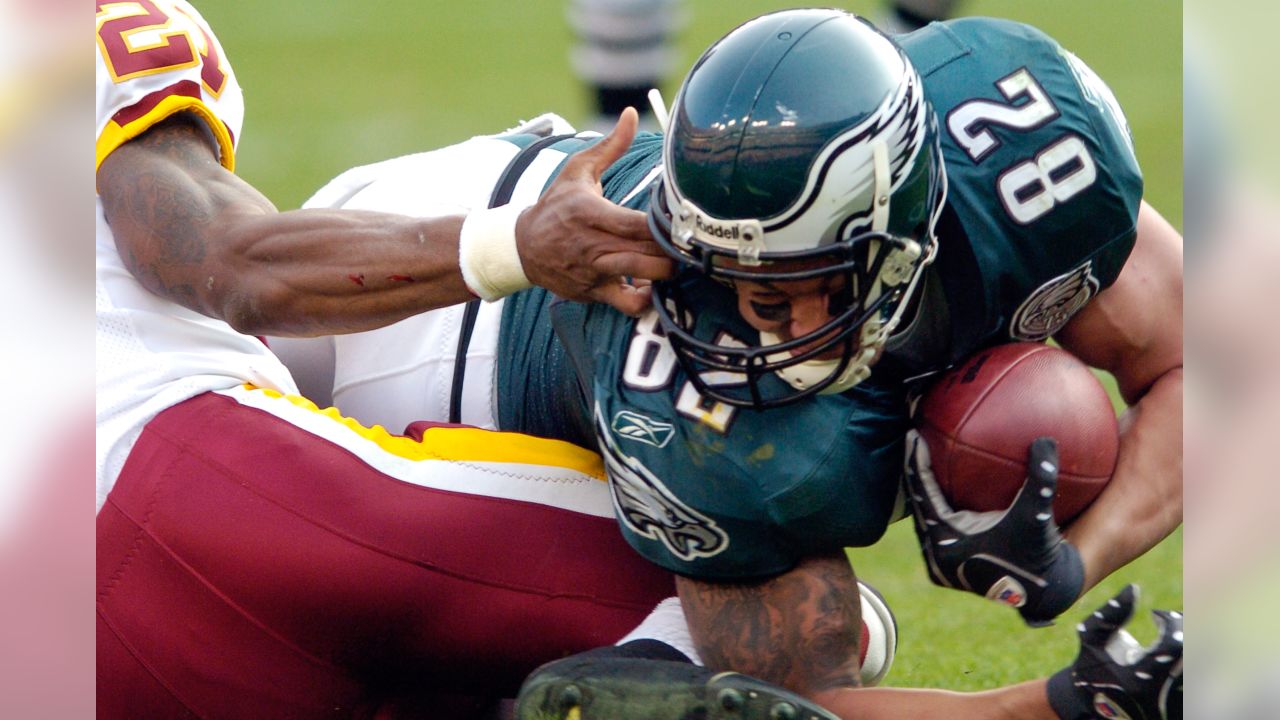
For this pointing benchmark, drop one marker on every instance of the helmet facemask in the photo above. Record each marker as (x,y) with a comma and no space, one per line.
(871,197)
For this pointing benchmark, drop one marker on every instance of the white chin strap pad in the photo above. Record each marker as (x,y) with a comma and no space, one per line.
(805,375)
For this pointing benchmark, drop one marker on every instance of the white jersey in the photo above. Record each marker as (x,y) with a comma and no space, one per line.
(357,372)
(156,58)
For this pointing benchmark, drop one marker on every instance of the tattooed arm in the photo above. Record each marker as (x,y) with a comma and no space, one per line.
(194,233)
(801,630)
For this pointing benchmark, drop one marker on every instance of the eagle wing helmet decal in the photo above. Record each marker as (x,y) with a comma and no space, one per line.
(902,124)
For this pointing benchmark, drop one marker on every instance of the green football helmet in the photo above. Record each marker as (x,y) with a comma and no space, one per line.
(800,135)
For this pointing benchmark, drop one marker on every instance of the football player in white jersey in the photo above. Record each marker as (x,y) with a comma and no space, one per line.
(258,557)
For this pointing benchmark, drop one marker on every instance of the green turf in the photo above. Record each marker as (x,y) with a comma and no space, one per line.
(329,85)
(950,639)
(333,84)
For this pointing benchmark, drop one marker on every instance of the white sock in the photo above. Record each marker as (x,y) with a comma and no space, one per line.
(666,624)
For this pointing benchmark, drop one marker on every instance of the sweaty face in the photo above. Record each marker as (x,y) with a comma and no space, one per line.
(794,308)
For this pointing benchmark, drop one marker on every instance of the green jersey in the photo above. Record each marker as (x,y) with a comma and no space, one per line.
(1041,211)
(1043,185)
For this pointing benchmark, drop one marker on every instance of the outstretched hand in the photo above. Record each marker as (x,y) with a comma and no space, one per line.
(583,247)
(1015,556)
(1114,676)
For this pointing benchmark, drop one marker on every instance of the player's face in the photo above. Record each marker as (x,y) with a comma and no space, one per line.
(794,308)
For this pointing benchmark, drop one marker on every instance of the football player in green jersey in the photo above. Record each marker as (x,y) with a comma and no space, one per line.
(824,227)
(1043,209)
(752,423)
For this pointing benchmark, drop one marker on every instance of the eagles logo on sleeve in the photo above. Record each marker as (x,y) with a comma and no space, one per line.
(1054,303)
(649,509)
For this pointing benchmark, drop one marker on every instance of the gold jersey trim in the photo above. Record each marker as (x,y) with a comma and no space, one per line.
(461,444)
(114,135)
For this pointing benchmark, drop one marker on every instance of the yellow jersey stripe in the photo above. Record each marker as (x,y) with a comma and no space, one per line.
(114,135)
(462,444)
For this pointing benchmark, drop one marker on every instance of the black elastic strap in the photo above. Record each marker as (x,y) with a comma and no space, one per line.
(469,314)
(515,169)
(501,196)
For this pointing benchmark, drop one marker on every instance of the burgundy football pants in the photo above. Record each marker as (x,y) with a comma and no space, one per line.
(248,568)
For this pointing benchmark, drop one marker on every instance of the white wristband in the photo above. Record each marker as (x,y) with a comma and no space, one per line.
(487,253)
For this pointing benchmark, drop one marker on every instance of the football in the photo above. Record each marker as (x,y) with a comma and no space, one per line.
(980,418)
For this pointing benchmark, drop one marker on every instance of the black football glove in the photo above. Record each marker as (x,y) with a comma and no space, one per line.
(1114,676)
(1014,556)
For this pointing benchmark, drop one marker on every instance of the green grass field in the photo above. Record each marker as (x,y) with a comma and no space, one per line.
(336,84)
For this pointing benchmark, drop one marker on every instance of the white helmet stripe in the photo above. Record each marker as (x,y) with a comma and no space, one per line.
(883,181)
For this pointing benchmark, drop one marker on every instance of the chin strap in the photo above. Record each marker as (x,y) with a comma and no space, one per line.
(805,375)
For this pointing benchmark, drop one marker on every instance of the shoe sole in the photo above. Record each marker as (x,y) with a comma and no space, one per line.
(630,689)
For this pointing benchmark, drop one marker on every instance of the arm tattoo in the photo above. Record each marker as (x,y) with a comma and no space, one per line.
(800,629)
(159,213)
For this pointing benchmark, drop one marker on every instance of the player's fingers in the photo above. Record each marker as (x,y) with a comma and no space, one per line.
(635,265)
(630,226)
(1042,458)
(1035,499)
(1170,624)
(1167,648)
(629,299)
(1162,662)
(591,163)
(1098,628)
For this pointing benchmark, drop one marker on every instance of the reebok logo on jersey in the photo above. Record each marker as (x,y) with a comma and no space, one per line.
(649,509)
(1054,303)
(634,426)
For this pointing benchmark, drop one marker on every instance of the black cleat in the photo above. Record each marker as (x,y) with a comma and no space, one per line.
(634,689)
